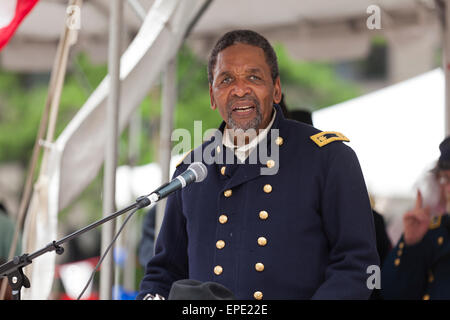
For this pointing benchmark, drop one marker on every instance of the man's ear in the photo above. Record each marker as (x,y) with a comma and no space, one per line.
(277,90)
(211,97)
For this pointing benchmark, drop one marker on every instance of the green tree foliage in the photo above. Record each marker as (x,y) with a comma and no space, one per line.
(311,85)
(19,115)
(22,101)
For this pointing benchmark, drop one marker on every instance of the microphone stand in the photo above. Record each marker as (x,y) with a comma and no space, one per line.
(13,268)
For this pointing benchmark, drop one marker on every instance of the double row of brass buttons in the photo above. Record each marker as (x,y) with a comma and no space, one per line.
(263,215)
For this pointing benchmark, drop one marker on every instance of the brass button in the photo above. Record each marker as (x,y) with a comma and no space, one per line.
(218,149)
(270,163)
(220,244)
(401,245)
(397,262)
(279,141)
(223,219)
(263,215)
(259,267)
(267,188)
(399,252)
(262,241)
(430,278)
(258,295)
(228,193)
(218,270)
(440,240)
(426,297)
(222,170)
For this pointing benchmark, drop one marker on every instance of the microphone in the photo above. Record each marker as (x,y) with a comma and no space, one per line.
(196,172)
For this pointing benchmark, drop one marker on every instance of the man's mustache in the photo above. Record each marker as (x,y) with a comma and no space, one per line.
(244,98)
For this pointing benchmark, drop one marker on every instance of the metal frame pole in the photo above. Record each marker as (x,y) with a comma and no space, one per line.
(138,9)
(131,237)
(111,149)
(169,93)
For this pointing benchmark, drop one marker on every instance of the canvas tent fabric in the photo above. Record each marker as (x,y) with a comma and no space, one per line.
(310,29)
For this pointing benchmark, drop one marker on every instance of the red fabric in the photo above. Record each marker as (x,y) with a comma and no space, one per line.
(93,296)
(23,7)
(93,261)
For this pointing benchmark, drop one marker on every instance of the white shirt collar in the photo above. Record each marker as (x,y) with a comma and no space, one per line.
(244,151)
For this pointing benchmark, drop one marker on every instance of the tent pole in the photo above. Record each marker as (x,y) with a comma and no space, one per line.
(169,93)
(131,237)
(138,9)
(111,149)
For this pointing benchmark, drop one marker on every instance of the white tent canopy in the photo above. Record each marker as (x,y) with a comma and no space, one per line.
(394,131)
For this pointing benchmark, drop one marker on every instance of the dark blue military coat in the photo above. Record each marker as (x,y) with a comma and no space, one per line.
(305,232)
(420,271)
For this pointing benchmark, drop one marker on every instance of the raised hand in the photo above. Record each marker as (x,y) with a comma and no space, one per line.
(416,222)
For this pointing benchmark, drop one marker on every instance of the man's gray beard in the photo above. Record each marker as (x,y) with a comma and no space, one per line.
(252,124)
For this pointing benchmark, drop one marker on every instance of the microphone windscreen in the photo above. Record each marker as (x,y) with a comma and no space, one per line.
(199,170)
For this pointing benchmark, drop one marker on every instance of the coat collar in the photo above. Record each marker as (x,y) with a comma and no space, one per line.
(234,172)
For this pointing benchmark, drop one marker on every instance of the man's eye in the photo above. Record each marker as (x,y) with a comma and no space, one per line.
(253,77)
(227,80)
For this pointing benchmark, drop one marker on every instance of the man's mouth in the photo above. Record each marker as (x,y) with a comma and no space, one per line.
(243,109)
(244,106)
(244,113)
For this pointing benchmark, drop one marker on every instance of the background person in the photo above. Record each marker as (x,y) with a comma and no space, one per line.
(419,266)
(7,229)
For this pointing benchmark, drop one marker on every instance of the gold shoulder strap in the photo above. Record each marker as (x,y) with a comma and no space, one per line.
(435,222)
(325,137)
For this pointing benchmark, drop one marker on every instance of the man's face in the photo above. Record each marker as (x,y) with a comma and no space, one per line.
(243,90)
(444,182)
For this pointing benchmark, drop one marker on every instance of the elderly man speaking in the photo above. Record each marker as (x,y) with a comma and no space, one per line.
(282,214)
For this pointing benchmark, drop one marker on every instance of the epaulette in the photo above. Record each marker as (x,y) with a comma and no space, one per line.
(325,137)
(183,157)
(435,222)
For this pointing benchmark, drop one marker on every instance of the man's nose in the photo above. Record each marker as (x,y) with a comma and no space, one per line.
(240,88)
